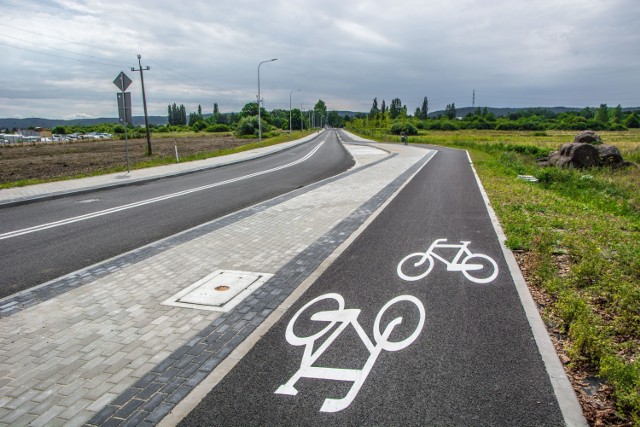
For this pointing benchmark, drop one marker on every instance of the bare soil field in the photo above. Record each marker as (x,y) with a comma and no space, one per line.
(58,160)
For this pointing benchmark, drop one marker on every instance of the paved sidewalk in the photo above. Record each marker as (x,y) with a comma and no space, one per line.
(98,347)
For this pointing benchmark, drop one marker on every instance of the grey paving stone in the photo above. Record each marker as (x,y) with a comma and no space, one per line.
(169,338)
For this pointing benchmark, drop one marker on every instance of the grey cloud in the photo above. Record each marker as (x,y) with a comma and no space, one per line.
(549,52)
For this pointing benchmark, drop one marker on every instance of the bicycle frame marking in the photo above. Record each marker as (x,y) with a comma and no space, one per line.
(459,262)
(455,264)
(344,317)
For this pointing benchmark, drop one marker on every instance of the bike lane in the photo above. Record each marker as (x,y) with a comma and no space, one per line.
(363,345)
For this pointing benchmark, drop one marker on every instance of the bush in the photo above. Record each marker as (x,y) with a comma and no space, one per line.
(218,128)
(198,126)
(632,121)
(615,127)
(510,125)
(398,127)
(449,125)
(248,126)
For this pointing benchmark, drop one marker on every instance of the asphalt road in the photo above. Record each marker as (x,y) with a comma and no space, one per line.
(29,259)
(468,356)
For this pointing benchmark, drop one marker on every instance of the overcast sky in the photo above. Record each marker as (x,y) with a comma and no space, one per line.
(59,57)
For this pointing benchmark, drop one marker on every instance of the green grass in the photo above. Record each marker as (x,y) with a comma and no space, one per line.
(581,232)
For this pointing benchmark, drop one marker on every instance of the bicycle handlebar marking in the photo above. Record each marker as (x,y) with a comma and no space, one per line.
(345,317)
(460,262)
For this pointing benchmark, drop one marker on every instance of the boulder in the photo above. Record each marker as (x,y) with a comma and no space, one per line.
(609,155)
(586,151)
(589,137)
(577,155)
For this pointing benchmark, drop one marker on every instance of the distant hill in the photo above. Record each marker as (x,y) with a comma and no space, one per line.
(51,123)
(502,112)
(162,120)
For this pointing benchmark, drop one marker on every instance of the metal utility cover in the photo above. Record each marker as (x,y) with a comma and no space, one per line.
(219,291)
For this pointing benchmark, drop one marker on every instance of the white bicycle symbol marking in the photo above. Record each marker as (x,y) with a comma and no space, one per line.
(472,262)
(345,317)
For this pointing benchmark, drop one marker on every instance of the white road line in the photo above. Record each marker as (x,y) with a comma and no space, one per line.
(36,228)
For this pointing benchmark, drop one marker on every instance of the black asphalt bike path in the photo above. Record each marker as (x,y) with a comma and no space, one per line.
(474,362)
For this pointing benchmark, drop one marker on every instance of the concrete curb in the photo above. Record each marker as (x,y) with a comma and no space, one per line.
(566,396)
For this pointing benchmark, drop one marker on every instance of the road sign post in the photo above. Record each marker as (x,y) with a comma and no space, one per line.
(122,81)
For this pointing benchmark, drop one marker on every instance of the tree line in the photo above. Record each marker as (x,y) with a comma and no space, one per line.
(395,119)
(245,123)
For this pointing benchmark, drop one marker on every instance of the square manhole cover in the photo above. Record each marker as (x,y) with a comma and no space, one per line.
(219,291)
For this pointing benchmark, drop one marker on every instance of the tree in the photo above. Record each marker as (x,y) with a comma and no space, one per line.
(395,108)
(320,110)
(632,121)
(176,115)
(250,109)
(418,113)
(450,111)
(334,119)
(602,114)
(617,115)
(296,118)
(587,113)
(193,118)
(60,130)
(248,125)
(374,109)
(425,108)
(383,108)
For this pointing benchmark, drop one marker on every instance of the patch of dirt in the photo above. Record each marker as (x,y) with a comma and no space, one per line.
(68,159)
(594,394)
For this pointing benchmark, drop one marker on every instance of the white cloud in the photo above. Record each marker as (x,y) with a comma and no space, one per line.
(548,52)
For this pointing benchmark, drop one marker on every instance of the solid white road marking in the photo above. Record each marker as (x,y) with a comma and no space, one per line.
(41,227)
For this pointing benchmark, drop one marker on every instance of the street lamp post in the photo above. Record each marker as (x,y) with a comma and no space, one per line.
(290,125)
(260,100)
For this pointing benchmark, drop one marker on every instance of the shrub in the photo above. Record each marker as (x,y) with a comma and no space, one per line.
(249,126)
(198,126)
(398,127)
(632,121)
(218,128)
(615,127)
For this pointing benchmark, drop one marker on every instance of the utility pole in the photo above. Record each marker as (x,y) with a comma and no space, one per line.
(144,103)
(473,103)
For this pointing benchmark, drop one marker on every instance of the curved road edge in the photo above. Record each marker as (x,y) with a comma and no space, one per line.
(27,195)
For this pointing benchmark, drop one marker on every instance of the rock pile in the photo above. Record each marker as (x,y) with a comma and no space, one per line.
(586,150)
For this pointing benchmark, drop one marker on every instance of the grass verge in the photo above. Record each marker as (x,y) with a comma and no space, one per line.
(577,238)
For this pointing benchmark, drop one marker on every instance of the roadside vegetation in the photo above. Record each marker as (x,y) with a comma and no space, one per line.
(576,234)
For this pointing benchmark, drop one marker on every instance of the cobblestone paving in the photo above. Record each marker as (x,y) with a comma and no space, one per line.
(99,347)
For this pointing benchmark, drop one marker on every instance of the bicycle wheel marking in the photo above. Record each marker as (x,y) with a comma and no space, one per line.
(343,318)
(464,261)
